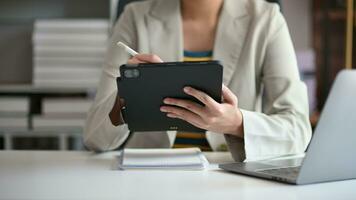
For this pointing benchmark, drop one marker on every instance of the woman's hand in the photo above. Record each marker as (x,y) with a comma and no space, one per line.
(115,113)
(222,118)
(144,58)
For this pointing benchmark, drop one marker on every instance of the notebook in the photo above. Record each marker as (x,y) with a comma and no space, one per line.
(182,159)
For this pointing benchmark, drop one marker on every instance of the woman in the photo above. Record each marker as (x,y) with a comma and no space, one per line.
(250,38)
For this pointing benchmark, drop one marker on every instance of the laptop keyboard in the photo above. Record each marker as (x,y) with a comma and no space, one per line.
(289,172)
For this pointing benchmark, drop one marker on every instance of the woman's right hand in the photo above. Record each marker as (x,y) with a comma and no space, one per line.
(144,58)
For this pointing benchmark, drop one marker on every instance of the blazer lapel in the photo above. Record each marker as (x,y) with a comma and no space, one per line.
(230,37)
(165,30)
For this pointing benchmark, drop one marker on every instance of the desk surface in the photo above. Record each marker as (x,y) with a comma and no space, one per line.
(84,175)
(33,89)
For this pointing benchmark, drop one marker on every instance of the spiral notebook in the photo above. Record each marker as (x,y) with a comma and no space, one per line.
(182,159)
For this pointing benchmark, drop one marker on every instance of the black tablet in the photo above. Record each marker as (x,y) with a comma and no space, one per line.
(144,86)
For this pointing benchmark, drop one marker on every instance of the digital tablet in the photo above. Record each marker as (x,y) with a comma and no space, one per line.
(144,86)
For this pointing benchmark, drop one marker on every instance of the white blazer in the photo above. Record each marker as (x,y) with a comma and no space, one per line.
(255,48)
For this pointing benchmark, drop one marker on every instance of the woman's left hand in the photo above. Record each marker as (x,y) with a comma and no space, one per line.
(223,117)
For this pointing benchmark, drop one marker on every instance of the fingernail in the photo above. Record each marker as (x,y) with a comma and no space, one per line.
(163,109)
(186,89)
(165,100)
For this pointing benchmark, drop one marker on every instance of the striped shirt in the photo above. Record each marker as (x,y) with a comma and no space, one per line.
(195,56)
(187,139)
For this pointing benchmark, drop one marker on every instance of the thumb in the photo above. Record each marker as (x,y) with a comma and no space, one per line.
(228,95)
(148,58)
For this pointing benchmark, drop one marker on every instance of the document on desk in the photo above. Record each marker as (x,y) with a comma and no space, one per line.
(178,159)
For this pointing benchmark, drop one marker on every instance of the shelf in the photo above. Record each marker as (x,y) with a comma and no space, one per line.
(333,15)
(32,9)
(32,89)
(337,15)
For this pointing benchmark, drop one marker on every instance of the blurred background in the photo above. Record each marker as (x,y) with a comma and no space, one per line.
(51,52)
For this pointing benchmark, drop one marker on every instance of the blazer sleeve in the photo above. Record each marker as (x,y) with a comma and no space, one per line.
(99,132)
(283,127)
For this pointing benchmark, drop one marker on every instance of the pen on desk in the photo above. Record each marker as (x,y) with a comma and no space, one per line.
(127,49)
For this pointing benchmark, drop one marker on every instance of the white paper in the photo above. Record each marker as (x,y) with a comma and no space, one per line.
(187,158)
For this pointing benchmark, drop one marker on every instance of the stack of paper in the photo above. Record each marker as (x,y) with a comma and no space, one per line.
(14,105)
(58,121)
(14,112)
(13,121)
(185,159)
(69,52)
(62,113)
(53,106)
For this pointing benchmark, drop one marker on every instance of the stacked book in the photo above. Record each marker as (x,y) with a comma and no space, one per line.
(69,52)
(14,113)
(62,113)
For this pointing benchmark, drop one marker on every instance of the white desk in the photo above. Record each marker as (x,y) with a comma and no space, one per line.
(83,175)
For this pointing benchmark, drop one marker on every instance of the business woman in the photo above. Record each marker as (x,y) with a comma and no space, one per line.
(264,112)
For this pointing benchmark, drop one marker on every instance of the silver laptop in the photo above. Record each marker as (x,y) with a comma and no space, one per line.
(331,155)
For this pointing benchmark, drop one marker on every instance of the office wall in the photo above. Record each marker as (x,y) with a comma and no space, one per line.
(298,14)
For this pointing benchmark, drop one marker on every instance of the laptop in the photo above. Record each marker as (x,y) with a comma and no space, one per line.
(331,155)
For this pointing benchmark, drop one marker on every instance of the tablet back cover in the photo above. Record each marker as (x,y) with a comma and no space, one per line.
(144,86)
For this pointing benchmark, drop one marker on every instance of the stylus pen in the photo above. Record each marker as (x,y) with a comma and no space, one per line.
(127,49)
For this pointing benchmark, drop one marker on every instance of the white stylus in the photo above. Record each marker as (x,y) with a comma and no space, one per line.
(127,49)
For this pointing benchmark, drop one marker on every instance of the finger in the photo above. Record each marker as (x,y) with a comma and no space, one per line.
(189,105)
(228,95)
(183,114)
(149,58)
(202,97)
(134,60)
(171,115)
(122,102)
